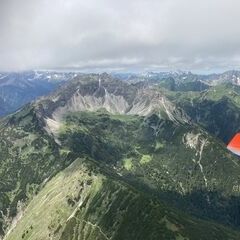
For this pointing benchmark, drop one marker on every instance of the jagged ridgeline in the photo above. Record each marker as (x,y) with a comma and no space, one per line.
(104,159)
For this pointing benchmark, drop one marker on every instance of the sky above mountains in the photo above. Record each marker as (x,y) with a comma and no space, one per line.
(120,35)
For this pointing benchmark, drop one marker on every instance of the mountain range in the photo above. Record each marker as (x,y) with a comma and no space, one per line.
(120,156)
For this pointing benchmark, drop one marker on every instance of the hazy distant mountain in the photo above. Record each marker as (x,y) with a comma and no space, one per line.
(183,81)
(16,89)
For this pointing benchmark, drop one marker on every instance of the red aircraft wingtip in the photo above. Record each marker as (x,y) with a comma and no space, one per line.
(234,144)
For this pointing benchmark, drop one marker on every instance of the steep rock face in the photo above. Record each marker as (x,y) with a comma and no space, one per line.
(145,102)
(108,101)
(97,92)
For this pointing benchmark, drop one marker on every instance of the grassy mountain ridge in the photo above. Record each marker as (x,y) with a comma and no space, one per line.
(83,202)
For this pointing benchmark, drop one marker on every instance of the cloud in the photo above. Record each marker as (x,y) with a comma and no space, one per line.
(126,35)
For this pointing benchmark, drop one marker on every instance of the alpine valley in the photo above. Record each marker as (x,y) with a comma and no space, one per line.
(120,157)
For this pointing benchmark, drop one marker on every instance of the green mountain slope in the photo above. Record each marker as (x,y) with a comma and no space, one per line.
(28,157)
(180,163)
(216,109)
(83,202)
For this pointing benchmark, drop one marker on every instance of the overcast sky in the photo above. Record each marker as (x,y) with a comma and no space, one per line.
(120,35)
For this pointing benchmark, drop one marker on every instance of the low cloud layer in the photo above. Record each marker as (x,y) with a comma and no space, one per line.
(120,35)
